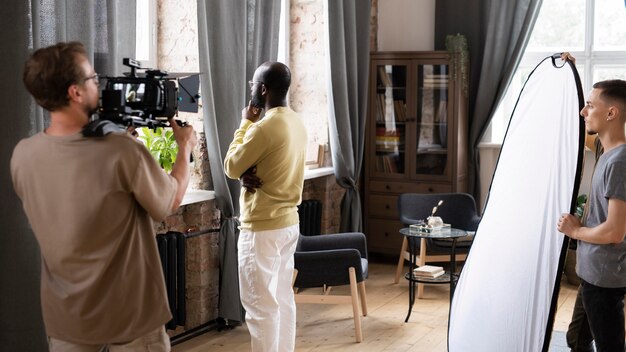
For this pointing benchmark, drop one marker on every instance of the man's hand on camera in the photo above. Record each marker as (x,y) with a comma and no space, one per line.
(185,136)
(132,130)
(250,181)
(186,140)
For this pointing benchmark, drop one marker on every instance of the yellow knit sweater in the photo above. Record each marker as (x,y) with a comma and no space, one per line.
(276,145)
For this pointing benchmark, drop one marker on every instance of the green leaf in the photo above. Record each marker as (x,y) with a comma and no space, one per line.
(162,145)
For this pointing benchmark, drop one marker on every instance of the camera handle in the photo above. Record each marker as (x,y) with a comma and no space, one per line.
(183,124)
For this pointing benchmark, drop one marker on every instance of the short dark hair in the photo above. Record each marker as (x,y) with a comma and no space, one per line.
(613,90)
(277,77)
(50,71)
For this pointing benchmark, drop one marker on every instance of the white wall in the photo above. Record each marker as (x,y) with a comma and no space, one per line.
(406,25)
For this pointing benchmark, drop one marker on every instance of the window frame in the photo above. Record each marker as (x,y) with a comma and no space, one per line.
(151,32)
(587,59)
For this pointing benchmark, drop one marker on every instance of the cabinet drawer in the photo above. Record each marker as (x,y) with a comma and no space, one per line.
(383,206)
(383,236)
(409,187)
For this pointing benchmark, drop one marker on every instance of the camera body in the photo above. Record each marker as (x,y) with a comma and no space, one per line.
(147,99)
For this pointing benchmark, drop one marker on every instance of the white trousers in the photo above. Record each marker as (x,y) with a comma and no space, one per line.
(265,274)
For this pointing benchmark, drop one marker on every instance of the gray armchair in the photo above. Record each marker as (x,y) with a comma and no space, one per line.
(458,210)
(333,260)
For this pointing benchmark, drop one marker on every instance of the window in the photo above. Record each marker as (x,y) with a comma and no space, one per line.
(283,32)
(146,33)
(303,47)
(592,31)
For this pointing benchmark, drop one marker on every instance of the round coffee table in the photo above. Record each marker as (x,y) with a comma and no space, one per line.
(447,278)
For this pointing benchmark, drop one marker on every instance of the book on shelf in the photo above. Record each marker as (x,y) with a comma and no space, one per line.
(400,108)
(383,77)
(389,139)
(380,105)
(388,142)
(430,271)
(390,113)
(389,109)
(384,131)
(387,164)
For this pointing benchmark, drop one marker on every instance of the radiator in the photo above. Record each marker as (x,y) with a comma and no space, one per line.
(310,213)
(172,251)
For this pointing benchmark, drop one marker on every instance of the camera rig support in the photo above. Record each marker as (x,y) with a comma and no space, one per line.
(144,99)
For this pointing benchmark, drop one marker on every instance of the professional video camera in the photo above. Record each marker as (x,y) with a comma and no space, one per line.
(146,99)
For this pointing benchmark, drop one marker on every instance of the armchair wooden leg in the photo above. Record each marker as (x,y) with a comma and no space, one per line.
(363,298)
(400,267)
(355,305)
(295,275)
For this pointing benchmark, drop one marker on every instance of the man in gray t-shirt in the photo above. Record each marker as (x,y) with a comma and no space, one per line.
(601,253)
(601,265)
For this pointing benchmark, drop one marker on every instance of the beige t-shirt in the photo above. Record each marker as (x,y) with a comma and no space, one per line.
(90,202)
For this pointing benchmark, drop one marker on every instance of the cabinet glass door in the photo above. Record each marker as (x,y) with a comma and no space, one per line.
(431,157)
(390,119)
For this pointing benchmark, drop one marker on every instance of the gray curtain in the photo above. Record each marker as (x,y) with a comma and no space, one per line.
(349,35)
(28,25)
(234,38)
(498,32)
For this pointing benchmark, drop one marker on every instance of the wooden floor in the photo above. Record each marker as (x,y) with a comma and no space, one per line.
(331,327)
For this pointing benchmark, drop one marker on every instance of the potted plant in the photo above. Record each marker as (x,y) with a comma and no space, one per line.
(162,145)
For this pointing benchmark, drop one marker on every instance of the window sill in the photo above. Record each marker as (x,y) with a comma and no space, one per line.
(319,172)
(197,196)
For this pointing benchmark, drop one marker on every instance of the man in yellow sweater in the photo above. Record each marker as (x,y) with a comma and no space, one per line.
(269,151)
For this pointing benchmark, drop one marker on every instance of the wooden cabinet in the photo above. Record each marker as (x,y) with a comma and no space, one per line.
(416,136)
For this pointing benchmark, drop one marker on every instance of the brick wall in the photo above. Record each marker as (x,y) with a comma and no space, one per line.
(329,193)
(178,52)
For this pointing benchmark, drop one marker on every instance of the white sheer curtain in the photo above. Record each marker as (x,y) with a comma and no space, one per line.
(505,297)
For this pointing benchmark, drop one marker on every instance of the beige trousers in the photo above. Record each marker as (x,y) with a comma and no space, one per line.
(155,341)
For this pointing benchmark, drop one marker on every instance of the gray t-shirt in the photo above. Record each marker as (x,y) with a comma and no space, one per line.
(604,265)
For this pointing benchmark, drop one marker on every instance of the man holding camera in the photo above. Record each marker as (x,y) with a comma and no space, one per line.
(91,202)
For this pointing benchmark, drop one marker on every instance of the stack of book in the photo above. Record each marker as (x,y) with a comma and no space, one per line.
(389,140)
(428,271)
